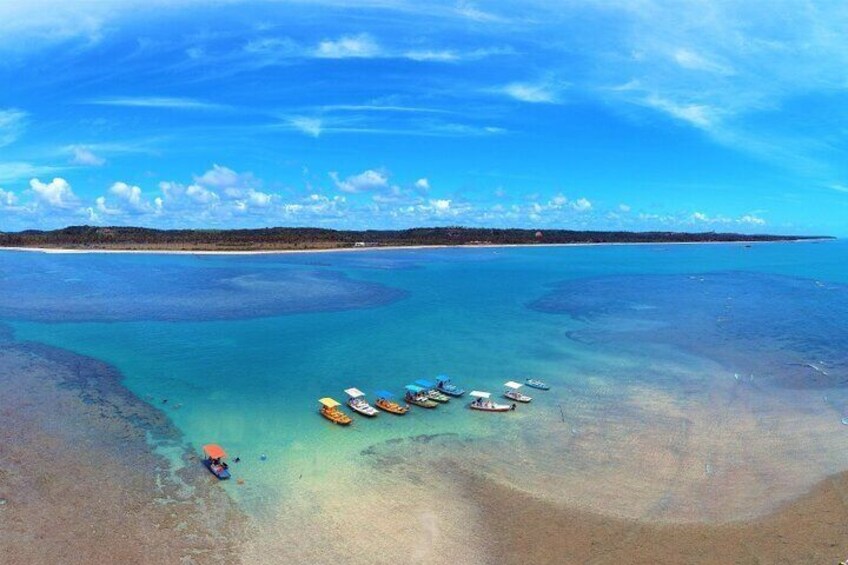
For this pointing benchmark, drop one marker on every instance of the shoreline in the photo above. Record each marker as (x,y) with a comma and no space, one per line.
(151,251)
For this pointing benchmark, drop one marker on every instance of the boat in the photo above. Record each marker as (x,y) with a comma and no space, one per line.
(384,402)
(214,461)
(358,403)
(330,410)
(512,392)
(443,384)
(431,392)
(536,383)
(482,402)
(418,396)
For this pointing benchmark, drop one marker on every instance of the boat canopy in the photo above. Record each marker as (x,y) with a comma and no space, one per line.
(513,385)
(414,388)
(383,394)
(479,394)
(214,451)
(354,392)
(425,383)
(329,402)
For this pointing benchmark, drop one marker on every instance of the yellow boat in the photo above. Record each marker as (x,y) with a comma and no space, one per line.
(330,410)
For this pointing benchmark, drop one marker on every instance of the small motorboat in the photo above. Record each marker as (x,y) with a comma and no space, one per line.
(358,403)
(482,402)
(513,393)
(536,383)
(384,402)
(214,460)
(418,396)
(431,392)
(330,410)
(444,384)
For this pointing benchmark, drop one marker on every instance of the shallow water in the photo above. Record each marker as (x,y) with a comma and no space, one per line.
(690,382)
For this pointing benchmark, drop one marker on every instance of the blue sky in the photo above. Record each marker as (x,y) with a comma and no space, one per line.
(638,115)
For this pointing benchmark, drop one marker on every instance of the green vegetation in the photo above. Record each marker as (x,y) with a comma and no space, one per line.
(88,237)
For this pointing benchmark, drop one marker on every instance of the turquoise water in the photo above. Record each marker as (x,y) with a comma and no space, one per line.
(664,388)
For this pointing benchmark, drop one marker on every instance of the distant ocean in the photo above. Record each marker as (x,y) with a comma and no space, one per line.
(696,382)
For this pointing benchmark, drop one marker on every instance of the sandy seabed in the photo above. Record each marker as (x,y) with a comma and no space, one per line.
(80,483)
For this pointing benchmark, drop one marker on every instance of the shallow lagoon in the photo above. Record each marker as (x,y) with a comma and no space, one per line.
(689,380)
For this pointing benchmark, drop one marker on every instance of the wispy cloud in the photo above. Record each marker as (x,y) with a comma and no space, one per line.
(534,93)
(12,124)
(349,46)
(165,102)
(84,156)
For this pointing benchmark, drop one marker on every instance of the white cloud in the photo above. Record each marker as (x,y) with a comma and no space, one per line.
(423,185)
(441,205)
(103,208)
(157,102)
(364,181)
(84,156)
(7,198)
(57,193)
(533,93)
(624,208)
(309,126)
(12,124)
(348,46)
(752,219)
(693,61)
(131,195)
(698,115)
(581,205)
(201,195)
(442,56)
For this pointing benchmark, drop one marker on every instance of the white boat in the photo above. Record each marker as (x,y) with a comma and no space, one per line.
(512,392)
(482,402)
(358,403)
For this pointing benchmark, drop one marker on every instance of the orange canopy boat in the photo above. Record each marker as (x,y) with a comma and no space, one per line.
(214,461)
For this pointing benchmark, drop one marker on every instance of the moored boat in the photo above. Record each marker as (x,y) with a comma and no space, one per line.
(536,383)
(214,460)
(444,384)
(358,403)
(482,402)
(431,392)
(330,410)
(418,396)
(513,393)
(385,402)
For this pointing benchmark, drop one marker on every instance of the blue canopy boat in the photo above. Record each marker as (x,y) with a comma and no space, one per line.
(418,396)
(536,383)
(443,384)
(431,391)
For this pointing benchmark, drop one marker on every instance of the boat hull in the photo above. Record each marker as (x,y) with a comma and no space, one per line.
(391,408)
(423,403)
(336,417)
(220,472)
(540,386)
(495,408)
(455,393)
(518,397)
(367,412)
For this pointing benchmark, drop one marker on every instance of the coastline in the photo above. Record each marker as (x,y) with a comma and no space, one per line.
(152,251)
